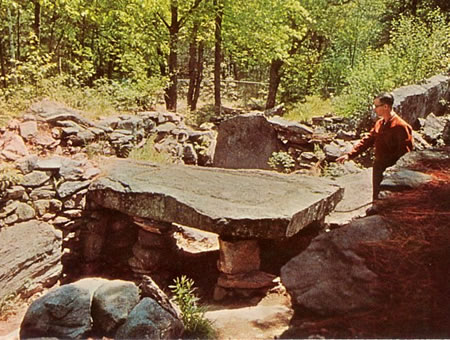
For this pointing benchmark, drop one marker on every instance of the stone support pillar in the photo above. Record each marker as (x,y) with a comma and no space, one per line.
(239,265)
(153,252)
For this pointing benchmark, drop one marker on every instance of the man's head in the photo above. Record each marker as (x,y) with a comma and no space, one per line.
(382,104)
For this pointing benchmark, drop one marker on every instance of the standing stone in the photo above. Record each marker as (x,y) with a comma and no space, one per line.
(246,142)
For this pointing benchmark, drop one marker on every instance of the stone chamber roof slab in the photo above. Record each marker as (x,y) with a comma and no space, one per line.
(235,203)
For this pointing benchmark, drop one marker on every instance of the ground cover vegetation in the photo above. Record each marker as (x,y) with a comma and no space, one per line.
(313,55)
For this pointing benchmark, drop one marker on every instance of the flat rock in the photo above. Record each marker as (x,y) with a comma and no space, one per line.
(29,252)
(244,203)
(357,197)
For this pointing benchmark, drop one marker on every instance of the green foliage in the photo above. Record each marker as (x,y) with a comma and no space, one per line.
(8,305)
(150,154)
(9,175)
(195,323)
(281,161)
(312,106)
(418,49)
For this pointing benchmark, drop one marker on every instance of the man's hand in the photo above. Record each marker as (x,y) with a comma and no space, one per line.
(342,159)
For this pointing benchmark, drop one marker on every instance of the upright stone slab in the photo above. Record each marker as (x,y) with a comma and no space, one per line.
(241,203)
(246,142)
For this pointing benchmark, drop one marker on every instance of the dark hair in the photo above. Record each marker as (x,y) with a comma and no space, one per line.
(386,98)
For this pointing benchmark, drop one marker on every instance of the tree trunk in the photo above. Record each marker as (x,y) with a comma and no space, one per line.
(18,35)
(217,55)
(192,64)
(2,64)
(198,81)
(37,21)
(11,45)
(274,82)
(171,91)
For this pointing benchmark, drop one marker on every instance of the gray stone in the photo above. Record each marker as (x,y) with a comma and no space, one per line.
(432,128)
(71,187)
(45,206)
(13,146)
(246,142)
(446,133)
(16,192)
(329,277)
(245,203)
(10,219)
(48,164)
(27,164)
(24,212)
(33,261)
(9,209)
(64,312)
(42,193)
(148,320)
(36,178)
(112,303)
(400,179)
(28,129)
(417,101)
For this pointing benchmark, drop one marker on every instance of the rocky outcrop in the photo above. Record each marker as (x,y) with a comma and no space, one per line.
(98,307)
(30,258)
(329,277)
(245,203)
(417,101)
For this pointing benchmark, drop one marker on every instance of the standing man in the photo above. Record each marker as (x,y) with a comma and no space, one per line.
(391,136)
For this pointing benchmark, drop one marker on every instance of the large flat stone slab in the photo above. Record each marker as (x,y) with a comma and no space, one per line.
(242,203)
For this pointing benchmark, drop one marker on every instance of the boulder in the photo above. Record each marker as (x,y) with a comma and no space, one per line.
(64,312)
(417,101)
(148,320)
(112,303)
(329,277)
(30,257)
(246,142)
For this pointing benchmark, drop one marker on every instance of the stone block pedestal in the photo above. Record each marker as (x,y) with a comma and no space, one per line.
(154,250)
(239,265)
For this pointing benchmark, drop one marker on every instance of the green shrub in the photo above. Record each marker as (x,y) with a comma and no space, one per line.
(281,161)
(193,315)
(418,49)
(150,154)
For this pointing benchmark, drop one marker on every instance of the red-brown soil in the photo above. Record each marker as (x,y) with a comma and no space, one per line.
(414,268)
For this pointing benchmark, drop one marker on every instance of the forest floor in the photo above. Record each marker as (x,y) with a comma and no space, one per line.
(414,268)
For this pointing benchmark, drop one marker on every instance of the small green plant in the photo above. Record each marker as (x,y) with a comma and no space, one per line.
(9,176)
(7,305)
(281,161)
(150,154)
(193,315)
